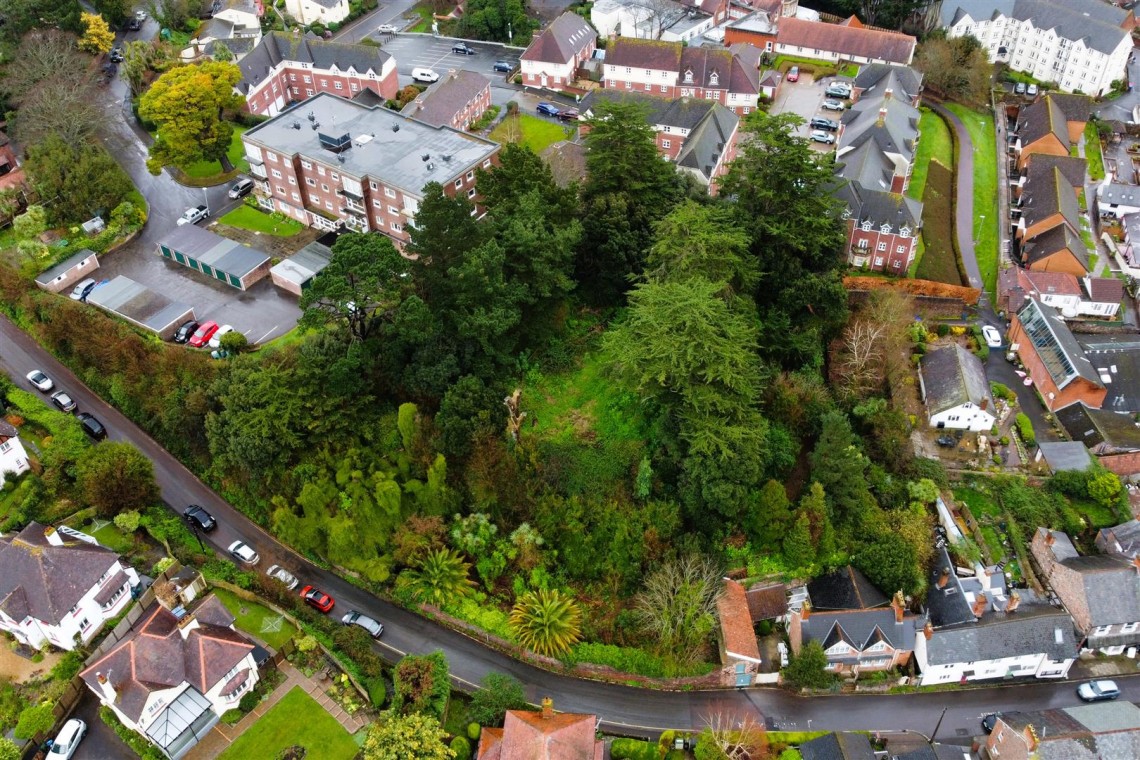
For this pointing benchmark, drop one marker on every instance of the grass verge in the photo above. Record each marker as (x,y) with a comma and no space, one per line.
(935,144)
(938,262)
(236,153)
(981,129)
(296,720)
(1093,153)
(248,218)
(530,131)
(252,618)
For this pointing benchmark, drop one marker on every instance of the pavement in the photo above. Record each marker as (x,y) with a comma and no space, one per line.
(620,708)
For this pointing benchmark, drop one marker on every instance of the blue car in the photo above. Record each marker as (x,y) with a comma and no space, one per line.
(548,109)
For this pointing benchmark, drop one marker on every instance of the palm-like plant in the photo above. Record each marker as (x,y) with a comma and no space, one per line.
(441,577)
(546,622)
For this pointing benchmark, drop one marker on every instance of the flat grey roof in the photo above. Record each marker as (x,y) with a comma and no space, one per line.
(218,252)
(305,264)
(1066,455)
(47,276)
(139,304)
(384,145)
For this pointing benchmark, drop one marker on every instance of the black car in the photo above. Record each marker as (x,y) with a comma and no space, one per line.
(989,722)
(195,515)
(504,66)
(116,55)
(821,123)
(134,25)
(462,48)
(92,426)
(946,441)
(185,331)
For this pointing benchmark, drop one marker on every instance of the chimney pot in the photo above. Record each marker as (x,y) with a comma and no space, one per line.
(52,536)
(898,603)
(547,708)
(805,610)
(1049,539)
(928,630)
(980,604)
(944,577)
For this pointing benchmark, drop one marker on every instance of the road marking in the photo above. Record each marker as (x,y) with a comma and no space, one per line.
(266,334)
(392,648)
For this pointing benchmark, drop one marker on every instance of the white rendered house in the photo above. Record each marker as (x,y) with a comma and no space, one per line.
(13,458)
(314,11)
(956,391)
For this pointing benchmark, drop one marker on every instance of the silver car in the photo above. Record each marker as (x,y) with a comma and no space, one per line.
(63,746)
(41,381)
(244,553)
(373,627)
(283,575)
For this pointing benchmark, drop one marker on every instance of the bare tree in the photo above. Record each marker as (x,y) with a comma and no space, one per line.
(677,606)
(44,55)
(859,370)
(738,738)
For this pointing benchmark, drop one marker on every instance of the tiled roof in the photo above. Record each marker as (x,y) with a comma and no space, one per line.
(880,207)
(527,735)
(1122,540)
(8,430)
(1047,193)
(1111,588)
(767,601)
(276,47)
(736,622)
(952,376)
(682,113)
(1072,168)
(1102,430)
(843,745)
(1053,283)
(903,81)
(644,54)
(844,589)
(1075,107)
(1102,730)
(706,144)
(1058,348)
(447,97)
(747,53)
(730,72)
(155,655)
(1054,240)
(1104,289)
(46,581)
(849,41)
(558,43)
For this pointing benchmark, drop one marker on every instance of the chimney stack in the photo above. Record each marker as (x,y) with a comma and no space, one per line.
(944,577)
(928,630)
(547,708)
(980,604)
(1049,539)
(1014,600)
(109,693)
(805,611)
(1136,562)
(898,604)
(52,536)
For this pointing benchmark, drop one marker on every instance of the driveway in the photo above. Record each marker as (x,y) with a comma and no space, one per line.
(101,741)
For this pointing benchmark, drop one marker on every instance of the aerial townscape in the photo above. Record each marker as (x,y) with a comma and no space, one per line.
(569,380)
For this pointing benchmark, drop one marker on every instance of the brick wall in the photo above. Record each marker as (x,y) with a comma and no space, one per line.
(1078,389)
(290,85)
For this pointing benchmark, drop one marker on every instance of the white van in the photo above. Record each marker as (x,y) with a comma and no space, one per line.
(427,76)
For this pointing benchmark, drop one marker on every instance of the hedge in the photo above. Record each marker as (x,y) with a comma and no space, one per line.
(634,749)
(1025,429)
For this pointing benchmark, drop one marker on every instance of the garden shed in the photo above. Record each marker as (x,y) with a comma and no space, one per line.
(68,272)
(223,259)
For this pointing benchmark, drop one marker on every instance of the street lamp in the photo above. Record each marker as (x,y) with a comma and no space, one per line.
(510,37)
(197,534)
(206,195)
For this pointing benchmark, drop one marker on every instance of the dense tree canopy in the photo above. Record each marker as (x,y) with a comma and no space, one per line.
(79,179)
(115,477)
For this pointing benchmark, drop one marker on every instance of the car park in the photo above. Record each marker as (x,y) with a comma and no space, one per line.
(547,109)
(838,90)
(568,114)
(91,426)
(193,215)
(462,48)
(185,331)
(502,66)
(359,618)
(244,553)
(63,402)
(65,743)
(832,105)
(992,336)
(83,289)
(424,76)
(221,332)
(317,599)
(1019,88)
(195,515)
(820,136)
(203,334)
(41,381)
(1098,691)
(821,123)
(794,74)
(241,188)
(1031,90)
(279,573)
(387,29)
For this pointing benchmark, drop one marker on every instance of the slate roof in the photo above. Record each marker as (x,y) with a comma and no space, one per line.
(1103,289)
(1073,169)
(46,581)
(7,430)
(1118,194)
(1116,359)
(933,752)
(880,207)
(1111,586)
(1098,24)
(952,376)
(276,47)
(1047,192)
(845,589)
(733,73)
(848,41)
(766,602)
(681,113)
(1029,630)
(1102,430)
(1065,456)
(1040,119)
(155,656)
(50,274)
(954,11)
(216,29)
(736,622)
(1122,540)
(558,43)
(903,81)
(843,745)
(747,53)
(1053,241)
(526,735)
(706,144)
(1102,730)
(892,123)
(447,97)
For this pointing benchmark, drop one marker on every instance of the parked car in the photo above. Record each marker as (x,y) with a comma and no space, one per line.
(993,337)
(116,55)
(359,618)
(317,599)
(505,67)
(838,90)
(185,331)
(462,48)
(1019,88)
(283,575)
(193,215)
(821,123)
(41,381)
(547,109)
(140,16)
(91,426)
(63,402)
(65,743)
(946,441)
(387,29)
(241,188)
(195,515)
(244,553)
(794,74)
(424,76)
(216,340)
(1098,691)
(83,289)
(833,105)
(989,721)
(1031,90)
(134,25)
(820,136)
(568,114)
(203,334)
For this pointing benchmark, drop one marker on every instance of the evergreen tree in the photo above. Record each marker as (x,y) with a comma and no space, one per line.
(798,550)
(840,467)
(771,517)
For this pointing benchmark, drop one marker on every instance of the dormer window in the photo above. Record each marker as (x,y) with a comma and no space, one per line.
(885,229)
(866,226)
(688,76)
(905,232)
(713,79)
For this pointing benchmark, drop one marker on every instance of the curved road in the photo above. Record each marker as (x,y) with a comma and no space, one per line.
(630,710)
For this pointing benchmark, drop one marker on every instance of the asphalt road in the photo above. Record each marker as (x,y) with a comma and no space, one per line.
(621,708)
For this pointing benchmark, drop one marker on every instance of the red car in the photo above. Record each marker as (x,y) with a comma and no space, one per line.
(317,599)
(203,334)
(794,74)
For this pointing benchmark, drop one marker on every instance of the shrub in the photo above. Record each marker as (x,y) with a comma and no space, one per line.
(306,644)
(421,685)
(474,730)
(144,749)
(249,701)
(461,746)
(230,717)
(633,749)
(943,330)
(809,668)
(35,720)
(377,691)
(1003,392)
(1025,429)
(498,693)
(128,521)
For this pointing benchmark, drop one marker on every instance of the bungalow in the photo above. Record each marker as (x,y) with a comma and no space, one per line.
(739,652)
(544,735)
(457,101)
(955,390)
(1105,730)
(174,675)
(1056,362)
(58,586)
(553,57)
(1100,591)
(13,458)
(848,41)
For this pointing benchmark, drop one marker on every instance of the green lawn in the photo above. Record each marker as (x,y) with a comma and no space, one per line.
(236,153)
(933,144)
(296,720)
(249,218)
(981,129)
(1092,152)
(978,502)
(423,10)
(112,538)
(531,131)
(252,617)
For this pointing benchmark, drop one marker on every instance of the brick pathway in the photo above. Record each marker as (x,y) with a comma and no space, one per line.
(221,736)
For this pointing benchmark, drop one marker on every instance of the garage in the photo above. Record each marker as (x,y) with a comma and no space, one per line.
(141,306)
(295,273)
(217,257)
